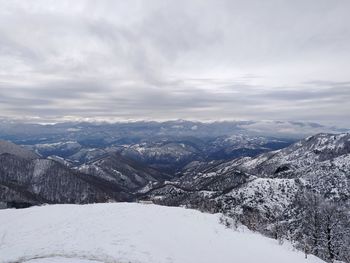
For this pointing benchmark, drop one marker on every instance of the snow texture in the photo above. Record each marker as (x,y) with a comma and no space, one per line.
(61,260)
(130,232)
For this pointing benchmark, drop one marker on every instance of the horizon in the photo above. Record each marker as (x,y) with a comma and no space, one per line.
(38,120)
(178,127)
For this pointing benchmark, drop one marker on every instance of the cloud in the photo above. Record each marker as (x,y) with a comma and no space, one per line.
(193,59)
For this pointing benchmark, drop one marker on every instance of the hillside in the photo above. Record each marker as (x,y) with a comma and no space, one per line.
(319,162)
(26,179)
(122,172)
(276,193)
(135,233)
(11,148)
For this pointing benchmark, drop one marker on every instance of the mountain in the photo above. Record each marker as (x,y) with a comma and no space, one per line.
(167,153)
(125,232)
(320,162)
(11,148)
(314,149)
(238,145)
(122,172)
(103,134)
(63,148)
(26,179)
(70,151)
(276,193)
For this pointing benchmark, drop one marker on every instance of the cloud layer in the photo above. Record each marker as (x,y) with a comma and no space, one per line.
(279,60)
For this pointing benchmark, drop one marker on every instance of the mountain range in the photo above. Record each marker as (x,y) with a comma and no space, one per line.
(266,181)
(270,184)
(125,172)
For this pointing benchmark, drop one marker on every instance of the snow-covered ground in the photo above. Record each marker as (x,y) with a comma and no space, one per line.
(130,232)
(61,260)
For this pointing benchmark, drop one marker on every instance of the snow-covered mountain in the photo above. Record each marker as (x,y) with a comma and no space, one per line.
(320,162)
(166,153)
(167,146)
(26,179)
(122,172)
(272,192)
(122,232)
(268,183)
(134,132)
(299,156)
(71,152)
(267,192)
(62,148)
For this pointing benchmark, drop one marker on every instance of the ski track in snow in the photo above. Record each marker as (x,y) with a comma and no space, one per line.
(133,233)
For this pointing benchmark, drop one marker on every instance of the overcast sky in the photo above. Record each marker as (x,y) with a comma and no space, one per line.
(205,60)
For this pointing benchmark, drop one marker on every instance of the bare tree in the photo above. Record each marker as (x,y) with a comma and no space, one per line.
(323,227)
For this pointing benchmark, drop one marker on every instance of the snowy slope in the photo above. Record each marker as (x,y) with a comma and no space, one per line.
(130,232)
(61,260)
(265,182)
(299,156)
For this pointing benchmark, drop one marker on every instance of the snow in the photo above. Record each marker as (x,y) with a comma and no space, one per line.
(130,232)
(267,193)
(61,260)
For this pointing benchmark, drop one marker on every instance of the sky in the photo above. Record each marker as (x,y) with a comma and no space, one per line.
(159,60)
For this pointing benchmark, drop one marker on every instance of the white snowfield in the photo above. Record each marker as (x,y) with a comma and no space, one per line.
(133,233)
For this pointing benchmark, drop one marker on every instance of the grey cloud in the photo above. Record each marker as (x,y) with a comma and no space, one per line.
(224,59)
(176,100)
